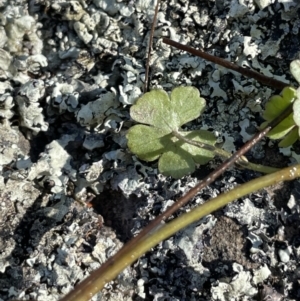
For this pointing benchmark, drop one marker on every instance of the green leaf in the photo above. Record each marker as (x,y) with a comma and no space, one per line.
(283,128)
(200,155)
(274,107)
(277,104)
(176,163)
(157,109)
(187,104)
(181,158)
(290,138)
(289,93)
(147,142)
(161,116)
(154,108)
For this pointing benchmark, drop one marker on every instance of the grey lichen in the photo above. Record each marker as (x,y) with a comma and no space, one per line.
(69,72)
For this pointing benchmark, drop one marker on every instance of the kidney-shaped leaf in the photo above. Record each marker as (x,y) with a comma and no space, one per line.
(163,115)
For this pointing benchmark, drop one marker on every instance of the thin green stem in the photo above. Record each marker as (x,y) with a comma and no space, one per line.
(83,287)
(96,280)
(242,161)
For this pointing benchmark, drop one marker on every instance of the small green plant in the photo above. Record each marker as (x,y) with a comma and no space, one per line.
(162,116)
(160,136)
(287,130)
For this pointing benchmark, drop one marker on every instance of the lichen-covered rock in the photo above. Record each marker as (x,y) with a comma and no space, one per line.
(93,113)
(69,72)
(9,139)
(54,165)
(30,111)
(17,30)
(82,32)
(6,104)
(5,60)
(65,97)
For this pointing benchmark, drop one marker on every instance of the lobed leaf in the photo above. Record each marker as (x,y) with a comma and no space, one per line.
(181,158)
(200,155)
(161,116)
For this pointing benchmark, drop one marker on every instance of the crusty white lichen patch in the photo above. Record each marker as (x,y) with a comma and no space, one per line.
(54,165)
(9,139)
(238,287)
(94,112)
(69,72)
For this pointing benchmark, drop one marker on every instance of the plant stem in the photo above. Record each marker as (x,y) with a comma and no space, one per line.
(97,280)
(150,47)
(242,161)
(153,225)
(268,81)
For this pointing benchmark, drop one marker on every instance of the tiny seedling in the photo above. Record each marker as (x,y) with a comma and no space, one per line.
(156,231)
(162,117)
(160,136)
